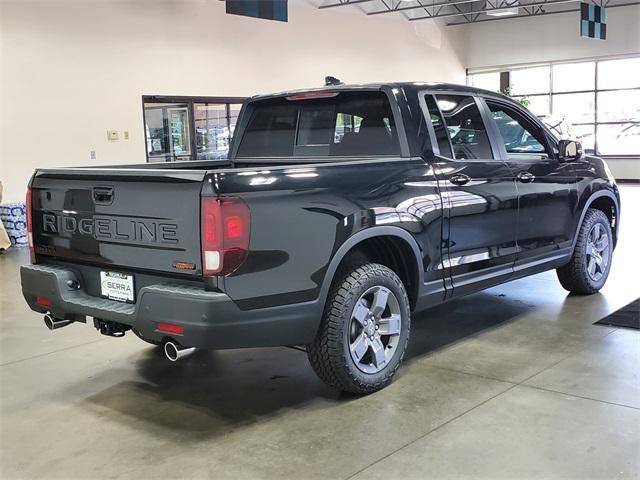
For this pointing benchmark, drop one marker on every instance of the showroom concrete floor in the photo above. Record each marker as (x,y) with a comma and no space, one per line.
(514,382)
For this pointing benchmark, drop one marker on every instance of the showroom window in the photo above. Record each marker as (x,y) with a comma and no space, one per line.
(594,101)
(189,128)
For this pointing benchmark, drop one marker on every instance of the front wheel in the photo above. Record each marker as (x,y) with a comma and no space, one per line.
(589,267)
(364,330)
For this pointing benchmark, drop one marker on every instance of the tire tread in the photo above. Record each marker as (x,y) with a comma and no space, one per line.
(325,355)
(574,276)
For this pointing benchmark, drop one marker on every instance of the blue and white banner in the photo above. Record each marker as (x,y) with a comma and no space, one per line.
(593,21)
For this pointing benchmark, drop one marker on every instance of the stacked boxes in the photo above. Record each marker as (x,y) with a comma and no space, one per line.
(14,219)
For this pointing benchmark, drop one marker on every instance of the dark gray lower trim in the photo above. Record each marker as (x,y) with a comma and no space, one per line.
(210,319)
(476,281)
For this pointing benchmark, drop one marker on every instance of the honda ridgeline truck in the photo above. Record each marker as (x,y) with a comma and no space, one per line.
(338,214)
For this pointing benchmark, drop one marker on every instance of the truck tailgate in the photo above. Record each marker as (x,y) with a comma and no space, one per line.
(133,218)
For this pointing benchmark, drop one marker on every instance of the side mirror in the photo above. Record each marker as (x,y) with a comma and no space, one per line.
(569,150)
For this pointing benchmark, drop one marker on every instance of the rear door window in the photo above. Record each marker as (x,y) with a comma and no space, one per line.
(466,129)
(442,135)
(341,124)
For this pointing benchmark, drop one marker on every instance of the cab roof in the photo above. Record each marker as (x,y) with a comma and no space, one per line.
(406,86)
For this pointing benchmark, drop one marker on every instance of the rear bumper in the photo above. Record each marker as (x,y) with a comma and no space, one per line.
(210,319)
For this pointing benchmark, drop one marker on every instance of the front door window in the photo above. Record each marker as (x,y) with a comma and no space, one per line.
(522,140)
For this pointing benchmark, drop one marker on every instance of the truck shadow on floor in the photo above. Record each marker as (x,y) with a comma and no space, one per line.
(460,319)
(213,393)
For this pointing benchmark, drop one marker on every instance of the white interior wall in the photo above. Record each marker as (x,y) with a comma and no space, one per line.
(548,38)
(554,38)
(71,70)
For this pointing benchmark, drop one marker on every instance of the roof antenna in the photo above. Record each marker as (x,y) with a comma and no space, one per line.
(329,80)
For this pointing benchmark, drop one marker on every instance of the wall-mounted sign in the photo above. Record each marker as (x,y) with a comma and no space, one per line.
(593,21)
(269,9)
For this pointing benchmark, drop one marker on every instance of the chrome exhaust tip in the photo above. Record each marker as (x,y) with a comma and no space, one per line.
(53,323)
(175,352)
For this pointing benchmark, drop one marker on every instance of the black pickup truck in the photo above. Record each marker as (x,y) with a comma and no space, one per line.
(339,212)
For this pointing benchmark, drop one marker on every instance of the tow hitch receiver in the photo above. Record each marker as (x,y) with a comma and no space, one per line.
(109,328)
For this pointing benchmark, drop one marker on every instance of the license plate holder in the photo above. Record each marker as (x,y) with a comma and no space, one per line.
(117,286)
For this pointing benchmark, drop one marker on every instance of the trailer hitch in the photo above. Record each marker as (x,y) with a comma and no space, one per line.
(110,328)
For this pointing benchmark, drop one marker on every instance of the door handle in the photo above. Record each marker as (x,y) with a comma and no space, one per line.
(460,179)
(525,177)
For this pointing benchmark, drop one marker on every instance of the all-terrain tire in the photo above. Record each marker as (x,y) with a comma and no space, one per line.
(574,276)
(330,354)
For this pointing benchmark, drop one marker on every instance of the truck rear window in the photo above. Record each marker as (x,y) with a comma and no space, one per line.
(345,124)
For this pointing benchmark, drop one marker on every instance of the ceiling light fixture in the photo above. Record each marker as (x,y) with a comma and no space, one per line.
(503,12)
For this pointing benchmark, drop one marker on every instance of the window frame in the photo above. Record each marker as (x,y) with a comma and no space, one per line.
(550,93)
(189,101)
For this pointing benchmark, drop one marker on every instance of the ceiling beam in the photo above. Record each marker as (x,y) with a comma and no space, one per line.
(488,10)
(344,3)
(568,10)
(415,7)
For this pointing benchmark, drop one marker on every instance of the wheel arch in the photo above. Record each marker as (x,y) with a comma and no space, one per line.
(391,246)
(605,201)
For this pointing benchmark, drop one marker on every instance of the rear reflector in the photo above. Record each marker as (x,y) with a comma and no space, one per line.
(225,229)
(43,301)
(169,328)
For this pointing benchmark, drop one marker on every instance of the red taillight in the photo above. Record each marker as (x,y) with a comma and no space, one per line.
(29,219)
(225,234)
(233,227)
(43,301)
(170,328)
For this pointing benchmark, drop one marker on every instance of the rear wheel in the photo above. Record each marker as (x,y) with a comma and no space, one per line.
(589,267)
(364,331)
